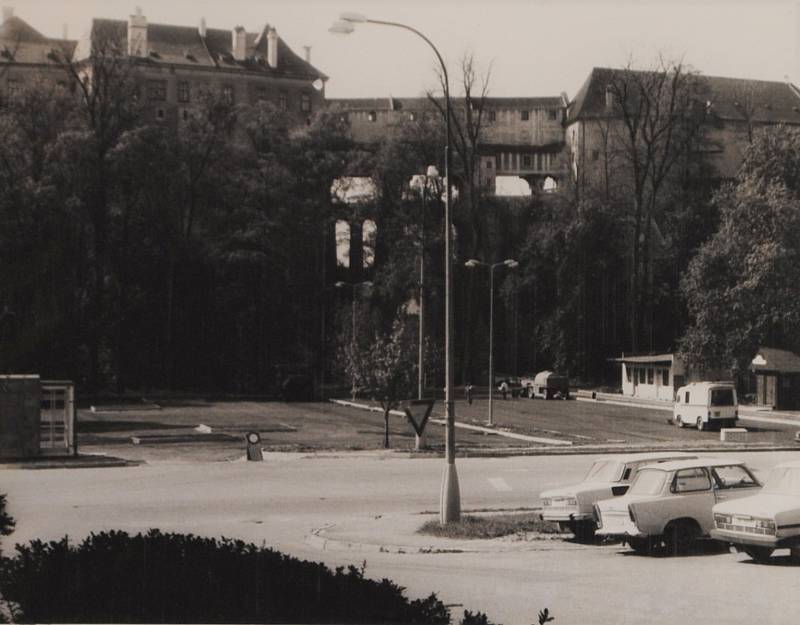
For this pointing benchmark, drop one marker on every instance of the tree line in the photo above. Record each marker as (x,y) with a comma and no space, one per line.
(199,256)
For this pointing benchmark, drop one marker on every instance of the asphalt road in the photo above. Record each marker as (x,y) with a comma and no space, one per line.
(281,501)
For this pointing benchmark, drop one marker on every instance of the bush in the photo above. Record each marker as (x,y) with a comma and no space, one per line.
(177,578)
(6,521)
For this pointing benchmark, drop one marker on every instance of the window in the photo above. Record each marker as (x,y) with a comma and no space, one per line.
(734,476)
(227,94)
(161,114)
(412,117)
(665,377)
(13,86)
(283,101)
(489,163)
(650,376)
(722,397)
(492,116)
(524,115)
(552,114)
(628,372)
(156,89)
(595,155)
(185,114)
(372,116)
(183,91)
(648,482)
(690,480)
(305,103)
(526,160)
(686,399)
(261,93)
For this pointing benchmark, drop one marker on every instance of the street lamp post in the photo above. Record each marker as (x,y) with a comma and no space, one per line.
(510,263)
(431,173)
(450,500)
(354,286)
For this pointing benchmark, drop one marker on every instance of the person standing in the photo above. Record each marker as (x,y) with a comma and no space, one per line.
(468,389)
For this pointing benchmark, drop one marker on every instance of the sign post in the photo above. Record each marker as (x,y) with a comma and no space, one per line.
(418,411)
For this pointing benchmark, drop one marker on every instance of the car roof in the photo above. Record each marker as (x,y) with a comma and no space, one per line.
(699,385)
(659,455)
(696,462)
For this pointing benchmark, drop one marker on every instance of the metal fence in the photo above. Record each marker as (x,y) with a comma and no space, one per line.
(57,423)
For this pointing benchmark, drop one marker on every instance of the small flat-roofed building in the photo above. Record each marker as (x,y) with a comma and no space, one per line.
(777,373)
(655,376)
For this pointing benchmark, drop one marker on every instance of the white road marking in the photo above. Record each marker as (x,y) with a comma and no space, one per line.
(498,483)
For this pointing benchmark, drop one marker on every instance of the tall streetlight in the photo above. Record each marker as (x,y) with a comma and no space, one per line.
(354,287)
(450,501)
(510,263)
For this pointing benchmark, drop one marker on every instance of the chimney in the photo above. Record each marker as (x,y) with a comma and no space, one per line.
(137,34)
(8,13)
(272,48)
(239,43)
(201,29)
(307,50)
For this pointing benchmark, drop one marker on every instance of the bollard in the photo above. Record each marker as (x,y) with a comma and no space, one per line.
(254,446)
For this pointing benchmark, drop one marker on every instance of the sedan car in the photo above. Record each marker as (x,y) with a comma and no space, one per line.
(572,507)
(767,521)
(671,502)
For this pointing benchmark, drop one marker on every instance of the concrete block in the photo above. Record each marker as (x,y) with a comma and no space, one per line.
(733,435)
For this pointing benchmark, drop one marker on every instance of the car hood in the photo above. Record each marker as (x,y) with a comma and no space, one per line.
(762,505)
(576,490)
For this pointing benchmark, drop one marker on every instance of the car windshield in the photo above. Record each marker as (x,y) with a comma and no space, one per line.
(648,482)
(604,471)
(722,397)
(783,481)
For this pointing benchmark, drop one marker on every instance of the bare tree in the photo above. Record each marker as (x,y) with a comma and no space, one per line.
(657,121)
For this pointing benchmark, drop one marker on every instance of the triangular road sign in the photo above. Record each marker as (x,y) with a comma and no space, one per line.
(418,411)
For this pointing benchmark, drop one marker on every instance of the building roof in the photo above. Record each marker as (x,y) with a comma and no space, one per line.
(772,359)
(21,43)
(183,45)
(654,359)
(762,101)
(398,104)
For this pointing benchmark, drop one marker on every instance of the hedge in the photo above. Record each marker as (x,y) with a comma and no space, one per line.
(161,577)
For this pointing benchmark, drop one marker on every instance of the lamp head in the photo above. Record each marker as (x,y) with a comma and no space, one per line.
(340,284)
(341,27)
(432,172)
(472,263)
(510,263)
(355,18)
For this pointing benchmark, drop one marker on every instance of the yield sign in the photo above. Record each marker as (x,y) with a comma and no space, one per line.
(418,411)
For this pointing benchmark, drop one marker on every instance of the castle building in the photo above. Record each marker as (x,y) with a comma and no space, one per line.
(521,137)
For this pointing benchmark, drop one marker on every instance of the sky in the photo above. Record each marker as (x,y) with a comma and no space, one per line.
(530,48)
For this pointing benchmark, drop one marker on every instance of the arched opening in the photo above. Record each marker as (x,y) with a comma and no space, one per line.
(342,231)
(369,232)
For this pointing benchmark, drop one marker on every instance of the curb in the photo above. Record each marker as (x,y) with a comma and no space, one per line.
(81,462)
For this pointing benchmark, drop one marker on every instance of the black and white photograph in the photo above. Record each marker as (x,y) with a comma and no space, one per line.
(427,312)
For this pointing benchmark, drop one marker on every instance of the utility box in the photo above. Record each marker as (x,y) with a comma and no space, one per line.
(20,409)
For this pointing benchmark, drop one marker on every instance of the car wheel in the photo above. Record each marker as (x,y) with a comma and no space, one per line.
(583,530)
(679,536)
(641,546)
(700,425)
(758,554)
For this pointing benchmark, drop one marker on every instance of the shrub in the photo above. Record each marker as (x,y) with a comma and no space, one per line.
(159,577)
(6,521)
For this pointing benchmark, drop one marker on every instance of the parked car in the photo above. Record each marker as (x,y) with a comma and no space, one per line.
(706,404)
(546,385)
(572,507)
(671,502)
(767,521)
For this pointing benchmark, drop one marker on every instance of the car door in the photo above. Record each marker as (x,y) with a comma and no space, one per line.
(693,496)
(733,482)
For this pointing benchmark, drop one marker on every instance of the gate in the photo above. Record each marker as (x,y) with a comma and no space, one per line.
(57,423)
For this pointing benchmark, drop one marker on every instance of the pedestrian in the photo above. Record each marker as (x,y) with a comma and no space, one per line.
(504,388)
(468,392)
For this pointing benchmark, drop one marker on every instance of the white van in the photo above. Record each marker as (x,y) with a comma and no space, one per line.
(703,404)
